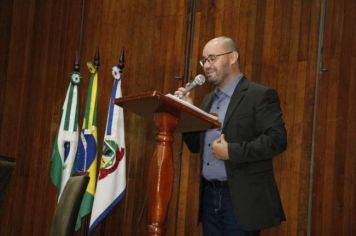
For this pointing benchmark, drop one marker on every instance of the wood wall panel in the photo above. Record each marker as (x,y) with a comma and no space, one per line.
(40,49)
(42,39)
(5,29)
(278,48)
(334,202)
(154,52)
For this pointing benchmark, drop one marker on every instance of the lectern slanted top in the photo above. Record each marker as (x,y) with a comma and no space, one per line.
(190,119)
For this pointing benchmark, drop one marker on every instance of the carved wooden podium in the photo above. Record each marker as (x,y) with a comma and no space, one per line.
(169,114)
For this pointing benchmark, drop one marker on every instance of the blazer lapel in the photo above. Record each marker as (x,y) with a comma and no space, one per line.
(236,99)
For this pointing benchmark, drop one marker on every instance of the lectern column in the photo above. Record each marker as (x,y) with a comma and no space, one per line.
(161,172)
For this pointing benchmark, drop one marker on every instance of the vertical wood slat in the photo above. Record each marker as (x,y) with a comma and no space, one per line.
(334,203)
(187,217)
(5,29)
(275,50)
(37,59)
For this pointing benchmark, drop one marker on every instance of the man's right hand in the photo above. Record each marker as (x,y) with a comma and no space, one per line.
(187,97)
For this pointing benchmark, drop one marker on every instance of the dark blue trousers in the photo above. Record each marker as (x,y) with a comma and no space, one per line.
(218,217)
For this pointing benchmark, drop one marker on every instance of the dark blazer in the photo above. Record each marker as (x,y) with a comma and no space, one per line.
(255,133)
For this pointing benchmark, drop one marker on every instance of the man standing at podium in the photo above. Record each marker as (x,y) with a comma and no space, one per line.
(239,193)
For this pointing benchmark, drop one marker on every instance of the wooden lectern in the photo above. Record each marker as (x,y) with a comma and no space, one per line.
(169,114)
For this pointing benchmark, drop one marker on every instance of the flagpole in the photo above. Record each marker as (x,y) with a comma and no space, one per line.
(87,151)
(82,7)
(121,64)
(87,218)
(112,162)
(65,146)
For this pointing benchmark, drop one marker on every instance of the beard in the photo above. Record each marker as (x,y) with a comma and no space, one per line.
(216,77)
(212,76)
(218,73)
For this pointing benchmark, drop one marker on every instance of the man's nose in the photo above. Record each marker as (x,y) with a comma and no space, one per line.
(207,65)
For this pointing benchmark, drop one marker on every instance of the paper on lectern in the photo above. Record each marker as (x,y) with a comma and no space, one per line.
(175,98)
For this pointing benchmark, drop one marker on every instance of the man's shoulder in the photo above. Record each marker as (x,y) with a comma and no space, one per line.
(256,86)
(257,91)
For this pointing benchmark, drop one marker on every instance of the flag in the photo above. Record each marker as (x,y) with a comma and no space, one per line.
(66,144)
(87,150)
(111,183)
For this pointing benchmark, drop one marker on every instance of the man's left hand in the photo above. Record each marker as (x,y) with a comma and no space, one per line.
(219,148)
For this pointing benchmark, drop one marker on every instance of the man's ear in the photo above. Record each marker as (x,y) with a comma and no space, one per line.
(234,57)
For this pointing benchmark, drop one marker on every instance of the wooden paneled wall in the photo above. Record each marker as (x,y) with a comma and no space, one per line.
(41,40)
(37,54)
(279,42)
(334,189)
(154,56)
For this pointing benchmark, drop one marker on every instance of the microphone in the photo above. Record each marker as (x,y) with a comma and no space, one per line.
(198,80)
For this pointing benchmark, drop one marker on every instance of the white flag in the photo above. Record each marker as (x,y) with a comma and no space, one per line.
(111,182)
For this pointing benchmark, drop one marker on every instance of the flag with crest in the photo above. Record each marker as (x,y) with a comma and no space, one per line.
(66,144)
(111,181)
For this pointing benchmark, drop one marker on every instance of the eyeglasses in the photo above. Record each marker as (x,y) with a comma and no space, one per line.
(211,58)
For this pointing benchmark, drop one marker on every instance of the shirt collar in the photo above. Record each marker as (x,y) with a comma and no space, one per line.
(229,89)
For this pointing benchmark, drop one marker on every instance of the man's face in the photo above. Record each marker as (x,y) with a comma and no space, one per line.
(218,70)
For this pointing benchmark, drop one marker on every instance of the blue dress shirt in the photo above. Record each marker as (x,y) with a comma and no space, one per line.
(214,169)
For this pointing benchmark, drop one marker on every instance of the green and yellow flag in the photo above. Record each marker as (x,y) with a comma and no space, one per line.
(88,145)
